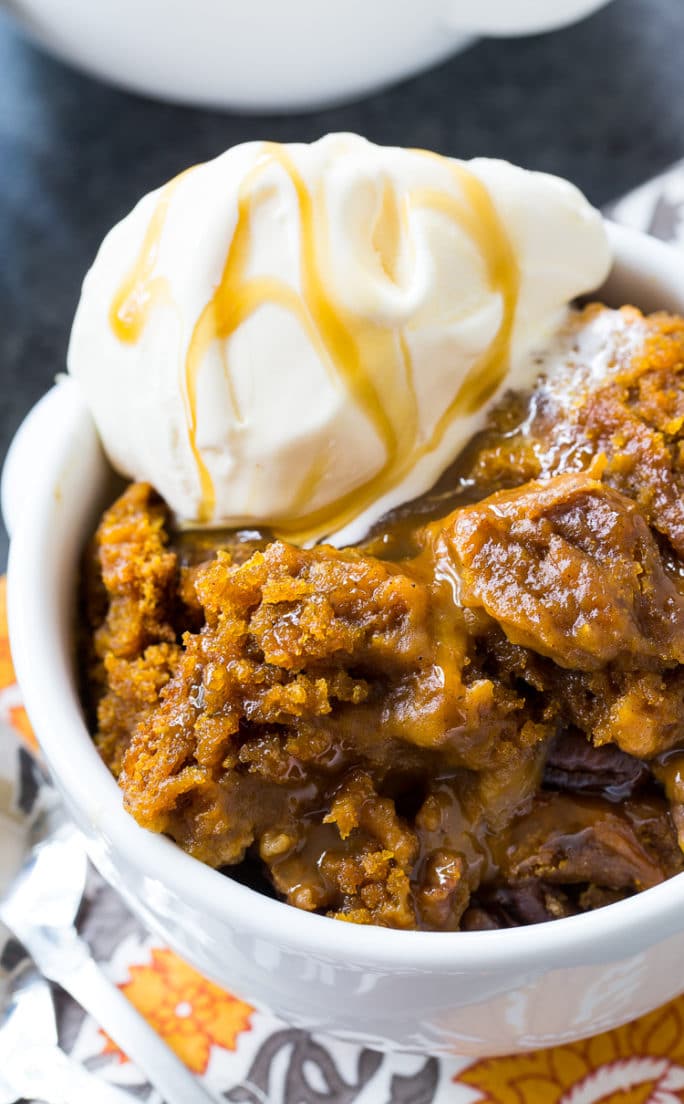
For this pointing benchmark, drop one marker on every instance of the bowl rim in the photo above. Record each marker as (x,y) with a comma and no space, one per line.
(37,583)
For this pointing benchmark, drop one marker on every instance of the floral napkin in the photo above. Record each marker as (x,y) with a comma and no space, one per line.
(250,1057)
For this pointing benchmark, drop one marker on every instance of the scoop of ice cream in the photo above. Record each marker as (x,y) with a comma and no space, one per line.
(302,337)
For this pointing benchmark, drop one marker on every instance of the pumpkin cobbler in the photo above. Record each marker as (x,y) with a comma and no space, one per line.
(472,719)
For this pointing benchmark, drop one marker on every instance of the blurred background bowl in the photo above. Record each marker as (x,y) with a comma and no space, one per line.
(274,55)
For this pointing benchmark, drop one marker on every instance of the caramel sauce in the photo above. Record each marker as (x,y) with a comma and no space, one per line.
(371,361)
(482,222)
(669,770)
(141,290)
(386,235)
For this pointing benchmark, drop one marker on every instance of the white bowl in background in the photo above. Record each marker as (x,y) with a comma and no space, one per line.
(479,993)
(274,55)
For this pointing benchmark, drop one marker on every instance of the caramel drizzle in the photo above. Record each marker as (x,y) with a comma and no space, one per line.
(140,290)
(479,218)
(372,362)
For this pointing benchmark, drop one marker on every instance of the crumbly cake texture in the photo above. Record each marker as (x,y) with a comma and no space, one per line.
(473,720)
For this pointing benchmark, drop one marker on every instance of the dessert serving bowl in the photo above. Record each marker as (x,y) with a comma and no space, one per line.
(478,992)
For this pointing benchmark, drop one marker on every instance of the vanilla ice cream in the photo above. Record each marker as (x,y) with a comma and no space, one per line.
(301,337)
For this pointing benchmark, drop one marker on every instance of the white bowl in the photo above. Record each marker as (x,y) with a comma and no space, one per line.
(274,55)
(478,993)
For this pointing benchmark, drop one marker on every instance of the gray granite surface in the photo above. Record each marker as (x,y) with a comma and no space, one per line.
(601,103)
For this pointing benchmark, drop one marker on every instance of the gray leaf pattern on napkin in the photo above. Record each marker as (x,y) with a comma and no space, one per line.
(657,207)
(667,219)
(418,1088)
(307,1055)
(30,780)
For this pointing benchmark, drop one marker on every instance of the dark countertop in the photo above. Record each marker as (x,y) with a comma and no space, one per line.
(601,103)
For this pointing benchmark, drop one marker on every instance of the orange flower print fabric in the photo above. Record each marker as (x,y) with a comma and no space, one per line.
(7,677)
(11,708)
(18,718)
(190,1013)
(641,1063)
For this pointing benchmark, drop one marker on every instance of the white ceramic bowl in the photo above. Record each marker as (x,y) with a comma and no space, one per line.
(473,992)
(274,55)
